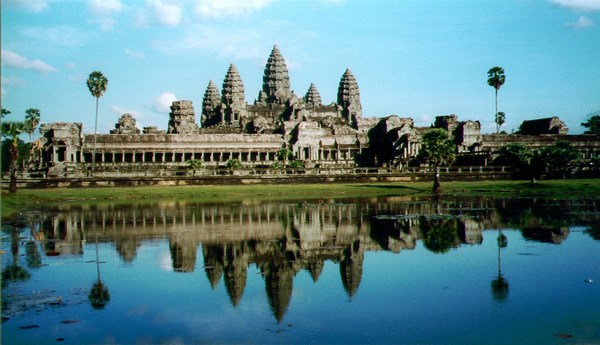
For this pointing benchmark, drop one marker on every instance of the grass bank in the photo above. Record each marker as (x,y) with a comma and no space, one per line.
(26,198)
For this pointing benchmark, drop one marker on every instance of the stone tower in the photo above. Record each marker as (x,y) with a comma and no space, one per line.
(233,97)
(211,104)
(276,80)
(312,98)
(349,98)
(182,119)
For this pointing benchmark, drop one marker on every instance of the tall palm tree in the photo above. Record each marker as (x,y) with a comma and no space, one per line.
(12,130)
(32,117)
(496,79)
(97,84)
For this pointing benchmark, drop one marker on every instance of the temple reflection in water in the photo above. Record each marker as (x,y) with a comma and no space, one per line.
(284,239)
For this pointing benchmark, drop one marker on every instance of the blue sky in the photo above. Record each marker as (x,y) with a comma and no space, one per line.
(415,58)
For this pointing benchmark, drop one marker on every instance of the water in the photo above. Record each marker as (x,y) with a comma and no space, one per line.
(398,270)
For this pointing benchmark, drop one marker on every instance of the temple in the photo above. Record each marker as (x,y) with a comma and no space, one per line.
(279,127)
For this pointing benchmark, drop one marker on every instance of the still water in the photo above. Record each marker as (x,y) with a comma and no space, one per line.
(401,270)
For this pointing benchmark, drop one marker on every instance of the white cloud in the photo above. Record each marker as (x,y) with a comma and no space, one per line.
(29,5)
(134,54)
(228,8)
(103,12)
(582,23)
(424,120)
(166,12)
(105,7)
(579,5)
(12,59)
(163,102)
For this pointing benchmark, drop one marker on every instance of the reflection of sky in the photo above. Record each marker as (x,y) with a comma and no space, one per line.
(416,296)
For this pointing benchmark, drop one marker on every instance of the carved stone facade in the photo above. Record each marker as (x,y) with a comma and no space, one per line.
(334,135)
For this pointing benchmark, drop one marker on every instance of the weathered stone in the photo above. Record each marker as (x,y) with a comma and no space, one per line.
(276,80)
(211,104)
(182,118)
(125,125)
(312,98)
(349,98)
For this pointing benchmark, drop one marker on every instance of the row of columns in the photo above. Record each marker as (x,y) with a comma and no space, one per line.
(179,157)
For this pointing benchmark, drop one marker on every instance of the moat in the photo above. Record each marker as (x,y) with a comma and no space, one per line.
(404,270)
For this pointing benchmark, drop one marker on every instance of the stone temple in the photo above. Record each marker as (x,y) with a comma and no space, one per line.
(334,135)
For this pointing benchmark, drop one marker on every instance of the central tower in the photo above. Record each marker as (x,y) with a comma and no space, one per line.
(276,80)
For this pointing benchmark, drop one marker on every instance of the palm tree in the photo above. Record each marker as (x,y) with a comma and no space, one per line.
(496,79)
(500,119)
(12,130)
(32,117)
(438,149)
(97,84)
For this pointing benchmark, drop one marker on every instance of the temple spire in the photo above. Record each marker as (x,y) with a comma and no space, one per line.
(233,97)
(276,80)
(233,87)
(349,98)
(210,104)
(313,98)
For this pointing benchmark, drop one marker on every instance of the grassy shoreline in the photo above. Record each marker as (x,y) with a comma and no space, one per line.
(27,198)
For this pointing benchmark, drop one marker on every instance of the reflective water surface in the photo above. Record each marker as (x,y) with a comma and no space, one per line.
(402,270)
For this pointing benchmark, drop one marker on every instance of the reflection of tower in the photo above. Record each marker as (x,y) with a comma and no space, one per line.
(279,281)
(236,273)
(212,266)
(183,253)
(351,267)
(315,268)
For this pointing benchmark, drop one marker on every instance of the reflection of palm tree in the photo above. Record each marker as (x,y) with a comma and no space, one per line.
(500,284)
(99,295)
(14,272)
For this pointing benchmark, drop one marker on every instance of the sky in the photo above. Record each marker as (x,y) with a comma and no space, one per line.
(411,58)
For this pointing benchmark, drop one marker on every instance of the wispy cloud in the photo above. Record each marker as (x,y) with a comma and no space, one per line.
(12,59)
(134,54)
(166,12)
(103,12)
(579,5)
(241,43)
(582,23)
(121,110)
(14,81)
(228,8)
(63,35)
(29,5)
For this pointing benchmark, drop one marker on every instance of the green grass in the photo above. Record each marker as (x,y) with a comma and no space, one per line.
(28,198)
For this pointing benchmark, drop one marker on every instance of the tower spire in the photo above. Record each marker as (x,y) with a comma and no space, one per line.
(276,79)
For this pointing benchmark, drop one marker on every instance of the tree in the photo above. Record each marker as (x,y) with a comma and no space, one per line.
(284,154)
(97,84)
(593,125)
(233,164)
(194,165)
(517,156)
(496,79)
(437,149)
(5,112)
(559,158)
(12,130)
(500,119)
(32,120)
